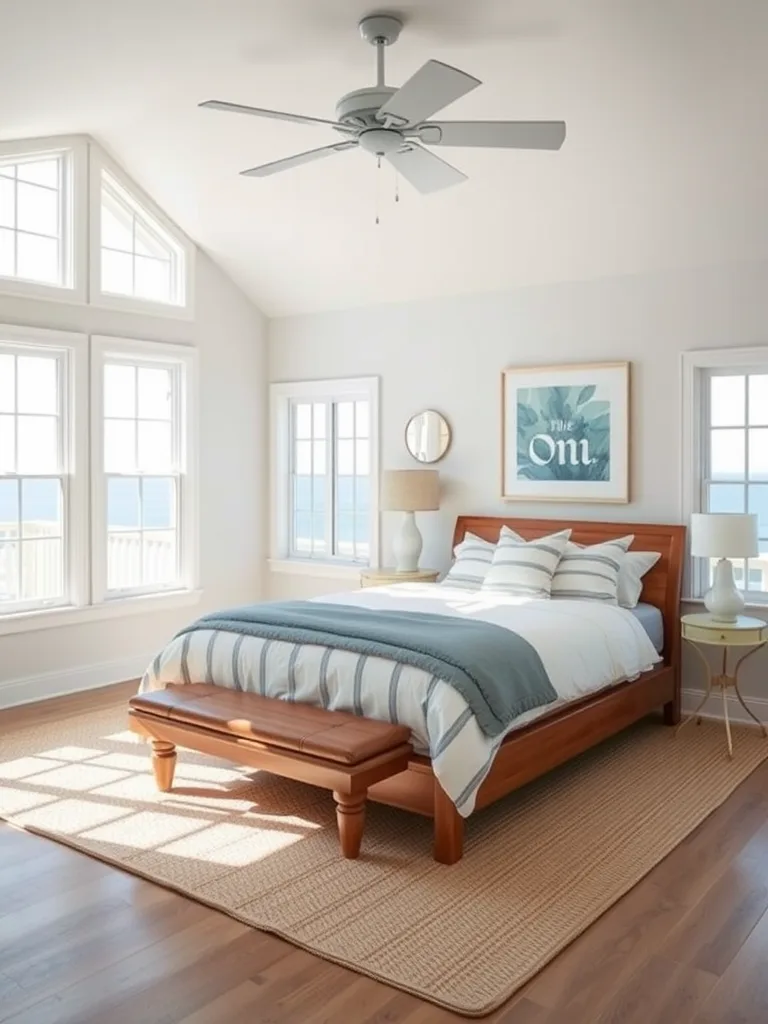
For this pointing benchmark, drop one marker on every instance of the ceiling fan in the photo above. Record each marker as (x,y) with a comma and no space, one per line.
(395,124)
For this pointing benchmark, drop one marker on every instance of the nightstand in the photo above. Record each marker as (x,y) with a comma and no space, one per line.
(383,577)
(702,629)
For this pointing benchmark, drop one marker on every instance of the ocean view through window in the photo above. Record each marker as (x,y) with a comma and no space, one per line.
(326,435)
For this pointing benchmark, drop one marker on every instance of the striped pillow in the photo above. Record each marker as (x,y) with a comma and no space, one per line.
(473,557)
(591,573)
(525,568)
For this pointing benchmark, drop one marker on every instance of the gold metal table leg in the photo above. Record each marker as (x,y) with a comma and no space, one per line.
(735,684)
(724,691)
(705,698)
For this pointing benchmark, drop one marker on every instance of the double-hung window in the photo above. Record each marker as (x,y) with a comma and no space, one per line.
(325,436)
(726,453)
(142,497)
(42,375)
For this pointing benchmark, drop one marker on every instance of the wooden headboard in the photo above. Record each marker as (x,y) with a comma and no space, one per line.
(661,585)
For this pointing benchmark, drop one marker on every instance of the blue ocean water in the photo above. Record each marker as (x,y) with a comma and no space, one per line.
(353,503)
(40,502)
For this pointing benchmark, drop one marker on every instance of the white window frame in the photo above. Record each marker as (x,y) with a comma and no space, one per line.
(74,150)
(185,358)
(696,368)
(282,397)
(74,436)
(98,164)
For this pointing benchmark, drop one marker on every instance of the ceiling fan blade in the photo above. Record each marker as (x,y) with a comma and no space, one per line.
(301,158)
(278,115)
(494,134)
(433,87)
(425,170)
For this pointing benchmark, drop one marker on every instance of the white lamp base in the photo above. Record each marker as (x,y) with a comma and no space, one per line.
(724,602)
(407,545)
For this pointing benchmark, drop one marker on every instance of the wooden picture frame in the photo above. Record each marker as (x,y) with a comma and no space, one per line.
(565,433)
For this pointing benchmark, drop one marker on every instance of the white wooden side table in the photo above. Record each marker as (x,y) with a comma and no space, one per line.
(701,629)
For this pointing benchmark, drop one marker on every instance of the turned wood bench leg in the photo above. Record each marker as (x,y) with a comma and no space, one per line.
(163,764)
(350,815)
(449,829)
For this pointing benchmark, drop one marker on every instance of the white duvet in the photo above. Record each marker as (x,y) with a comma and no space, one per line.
(584,646)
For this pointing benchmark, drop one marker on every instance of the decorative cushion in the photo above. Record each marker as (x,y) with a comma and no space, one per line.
(473,557)
(591,573)
(633,567)
(525,568)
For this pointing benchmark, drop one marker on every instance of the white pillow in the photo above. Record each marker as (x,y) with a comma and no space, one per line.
(473,557)
(634,566)
(525,568)
(591,573)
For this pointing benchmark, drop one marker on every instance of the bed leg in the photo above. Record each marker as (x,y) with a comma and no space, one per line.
(449,829)
(350,816)
(163,764)
(672,710)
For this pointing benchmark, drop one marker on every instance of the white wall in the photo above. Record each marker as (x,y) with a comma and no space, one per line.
(448,355)
(230,335)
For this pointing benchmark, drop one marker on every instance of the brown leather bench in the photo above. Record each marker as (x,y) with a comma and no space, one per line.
(333,749)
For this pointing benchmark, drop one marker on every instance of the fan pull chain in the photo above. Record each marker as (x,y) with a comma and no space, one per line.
(397,187)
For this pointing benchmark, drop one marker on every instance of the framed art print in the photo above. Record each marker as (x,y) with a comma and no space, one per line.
(565,433)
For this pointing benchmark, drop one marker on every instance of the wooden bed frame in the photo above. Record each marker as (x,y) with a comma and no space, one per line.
(562,734)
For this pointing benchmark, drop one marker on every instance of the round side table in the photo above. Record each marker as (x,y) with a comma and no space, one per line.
(702,629)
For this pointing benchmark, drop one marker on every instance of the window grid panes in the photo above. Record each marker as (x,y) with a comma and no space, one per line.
(142,464)
(138,258)
(735,460)
(32,220)
(33,481)
(330,480)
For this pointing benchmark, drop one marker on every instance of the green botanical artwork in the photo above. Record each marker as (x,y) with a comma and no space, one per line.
(563,433)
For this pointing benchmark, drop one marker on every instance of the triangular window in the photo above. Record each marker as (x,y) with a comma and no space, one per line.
(139,258)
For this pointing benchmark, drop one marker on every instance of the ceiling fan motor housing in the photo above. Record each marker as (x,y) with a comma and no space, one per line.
(360,108)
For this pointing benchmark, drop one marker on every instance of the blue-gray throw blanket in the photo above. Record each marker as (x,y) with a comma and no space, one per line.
(498,673)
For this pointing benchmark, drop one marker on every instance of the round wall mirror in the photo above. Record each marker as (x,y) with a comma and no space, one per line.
(427,436)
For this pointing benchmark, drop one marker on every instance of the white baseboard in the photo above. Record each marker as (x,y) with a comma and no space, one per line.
(714,706)
(73,680)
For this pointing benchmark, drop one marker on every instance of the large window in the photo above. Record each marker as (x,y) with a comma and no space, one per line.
(727,445)
(142,495)
(327,471)
(140,537)
(37,460)
(36,218)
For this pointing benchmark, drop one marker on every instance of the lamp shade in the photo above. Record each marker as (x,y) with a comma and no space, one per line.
(410,490)
(724,535)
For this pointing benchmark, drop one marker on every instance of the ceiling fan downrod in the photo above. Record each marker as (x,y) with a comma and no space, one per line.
(380,30)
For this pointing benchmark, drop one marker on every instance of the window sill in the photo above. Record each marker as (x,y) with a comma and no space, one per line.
(327,570)
(54,618)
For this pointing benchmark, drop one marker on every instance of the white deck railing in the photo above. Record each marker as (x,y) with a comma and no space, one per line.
(41,569)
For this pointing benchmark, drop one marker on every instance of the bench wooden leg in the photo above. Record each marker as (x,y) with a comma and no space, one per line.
(163,764)
(350,815)
(449,829)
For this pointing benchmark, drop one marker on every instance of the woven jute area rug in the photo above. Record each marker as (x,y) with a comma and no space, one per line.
(538,868)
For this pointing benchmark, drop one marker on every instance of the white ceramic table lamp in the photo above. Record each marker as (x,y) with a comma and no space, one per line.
(724,536)
(409,491)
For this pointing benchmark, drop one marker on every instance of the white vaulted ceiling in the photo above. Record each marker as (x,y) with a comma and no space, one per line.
(664,164)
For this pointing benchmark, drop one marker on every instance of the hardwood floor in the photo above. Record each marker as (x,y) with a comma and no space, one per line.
(85,943)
